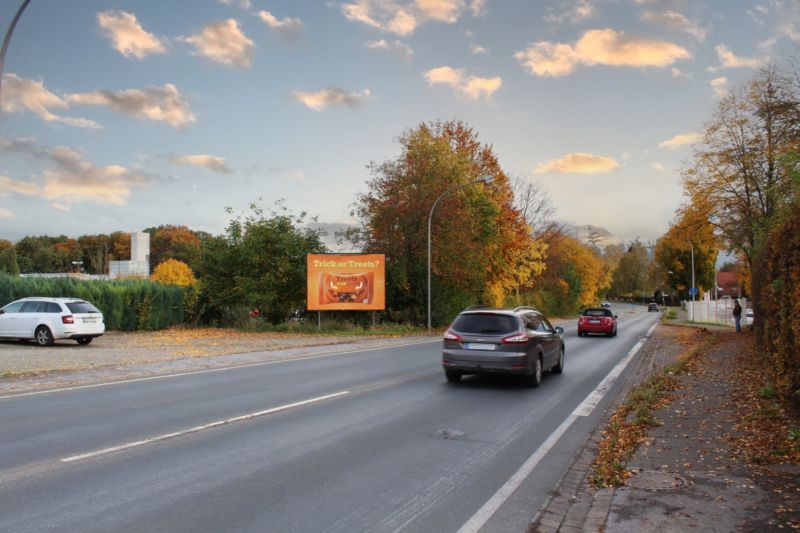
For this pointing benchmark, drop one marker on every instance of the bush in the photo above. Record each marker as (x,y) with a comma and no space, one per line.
(127,305)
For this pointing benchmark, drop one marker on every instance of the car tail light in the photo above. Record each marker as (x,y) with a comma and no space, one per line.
(68,319)
(450,336)
(516,339)
(580,320)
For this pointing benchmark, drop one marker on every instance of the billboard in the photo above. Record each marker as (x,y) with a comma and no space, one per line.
(346,282)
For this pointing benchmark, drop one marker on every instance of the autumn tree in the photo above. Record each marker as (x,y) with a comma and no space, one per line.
(482,248)
(691,232)
(174,272)
(38,254)
(630,276)
(173,242)
(8,258)
(737,168)
(575,276)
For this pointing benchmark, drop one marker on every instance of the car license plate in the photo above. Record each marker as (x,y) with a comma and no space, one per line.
(479,346)
(594,321)
(89,320)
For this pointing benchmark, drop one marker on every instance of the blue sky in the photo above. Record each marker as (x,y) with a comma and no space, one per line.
(120,115)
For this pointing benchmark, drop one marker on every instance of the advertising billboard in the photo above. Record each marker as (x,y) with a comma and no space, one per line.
(346,282)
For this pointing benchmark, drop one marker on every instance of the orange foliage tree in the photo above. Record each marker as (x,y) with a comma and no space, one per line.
(174,272)
(481,245)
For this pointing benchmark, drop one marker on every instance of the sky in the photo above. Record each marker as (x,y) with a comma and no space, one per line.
(127,114)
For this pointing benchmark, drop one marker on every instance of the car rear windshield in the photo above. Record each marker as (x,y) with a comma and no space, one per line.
(82,307)
(597,312)
(485,323)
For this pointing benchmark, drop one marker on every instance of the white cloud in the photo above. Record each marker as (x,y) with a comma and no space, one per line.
(127,36)
(244,4)
(402,18)
(728,59)
(598,47)
(211,162)
(578,163)
(289,28)
(58,206)
(672,20)
(72,179)
(224,43)
(477,8)
(676,72)
(469,86)
(20,94)
(331,96)
(162,104)
(720,86)
(573,11)
(5,213)
(10,186)
(478,50)
(658,166)
(398,47)
(680,140)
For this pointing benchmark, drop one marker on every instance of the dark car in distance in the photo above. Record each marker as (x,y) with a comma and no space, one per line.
(597,320)
(518,341)
(652,307)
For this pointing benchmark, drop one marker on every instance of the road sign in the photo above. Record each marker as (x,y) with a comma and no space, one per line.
(693,291)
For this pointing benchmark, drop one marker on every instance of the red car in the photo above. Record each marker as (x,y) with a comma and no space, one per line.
(597,320)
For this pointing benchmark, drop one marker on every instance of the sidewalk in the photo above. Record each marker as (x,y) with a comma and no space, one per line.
(686,476)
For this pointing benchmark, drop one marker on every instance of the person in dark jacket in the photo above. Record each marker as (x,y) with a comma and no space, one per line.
(737,315)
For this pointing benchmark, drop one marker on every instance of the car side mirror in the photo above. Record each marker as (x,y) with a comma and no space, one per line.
(616,316)
(559,330)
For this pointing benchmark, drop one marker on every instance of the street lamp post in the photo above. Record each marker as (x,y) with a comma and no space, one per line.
(7,38)
(484,179)
(693,290)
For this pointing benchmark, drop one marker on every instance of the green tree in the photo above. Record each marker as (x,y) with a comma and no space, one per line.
(630,276)
(259,263)
(38,254)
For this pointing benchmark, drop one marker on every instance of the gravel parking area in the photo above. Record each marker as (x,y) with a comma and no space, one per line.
(118,355)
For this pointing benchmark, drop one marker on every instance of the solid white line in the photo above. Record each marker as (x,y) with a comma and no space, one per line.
(201,428)
(209,370)
(482,516)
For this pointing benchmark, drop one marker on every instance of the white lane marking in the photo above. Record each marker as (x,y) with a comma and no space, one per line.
(482,516)
(209,370)
(201,428)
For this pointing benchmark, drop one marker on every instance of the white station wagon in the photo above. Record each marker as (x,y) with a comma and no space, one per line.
(46,320)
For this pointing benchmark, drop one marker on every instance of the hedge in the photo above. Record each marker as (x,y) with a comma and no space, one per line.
(126,305)
(776,298)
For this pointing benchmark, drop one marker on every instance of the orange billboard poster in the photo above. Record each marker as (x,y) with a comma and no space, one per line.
(350,282)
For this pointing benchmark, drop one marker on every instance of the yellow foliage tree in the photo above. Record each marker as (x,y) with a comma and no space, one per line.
(174,272)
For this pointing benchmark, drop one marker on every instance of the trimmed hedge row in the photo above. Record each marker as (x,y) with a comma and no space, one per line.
(126,305)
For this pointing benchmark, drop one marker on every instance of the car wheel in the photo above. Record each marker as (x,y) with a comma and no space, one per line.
(559,368)
(615,332)
(83,341)
(44,337)
(536,378)
(452,376)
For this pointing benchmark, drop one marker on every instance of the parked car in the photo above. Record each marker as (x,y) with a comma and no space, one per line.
(652,307)
(46,320)
(597,320)
(517,341)
(748,317)
(605,304)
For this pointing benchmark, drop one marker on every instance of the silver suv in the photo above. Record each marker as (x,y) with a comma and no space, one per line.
(509,341)
(48,319)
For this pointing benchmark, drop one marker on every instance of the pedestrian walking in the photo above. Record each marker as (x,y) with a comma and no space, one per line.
(737,315)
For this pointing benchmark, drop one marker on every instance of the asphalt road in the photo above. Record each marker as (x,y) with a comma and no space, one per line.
(362,441)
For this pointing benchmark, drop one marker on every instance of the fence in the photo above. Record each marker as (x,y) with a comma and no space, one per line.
(716,311)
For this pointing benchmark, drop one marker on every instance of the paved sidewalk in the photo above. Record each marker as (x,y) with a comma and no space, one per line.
(686,477)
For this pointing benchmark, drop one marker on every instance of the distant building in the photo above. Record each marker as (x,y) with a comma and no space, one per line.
(139,265)
(727,285)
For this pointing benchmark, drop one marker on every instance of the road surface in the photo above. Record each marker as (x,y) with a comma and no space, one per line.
(373,440)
